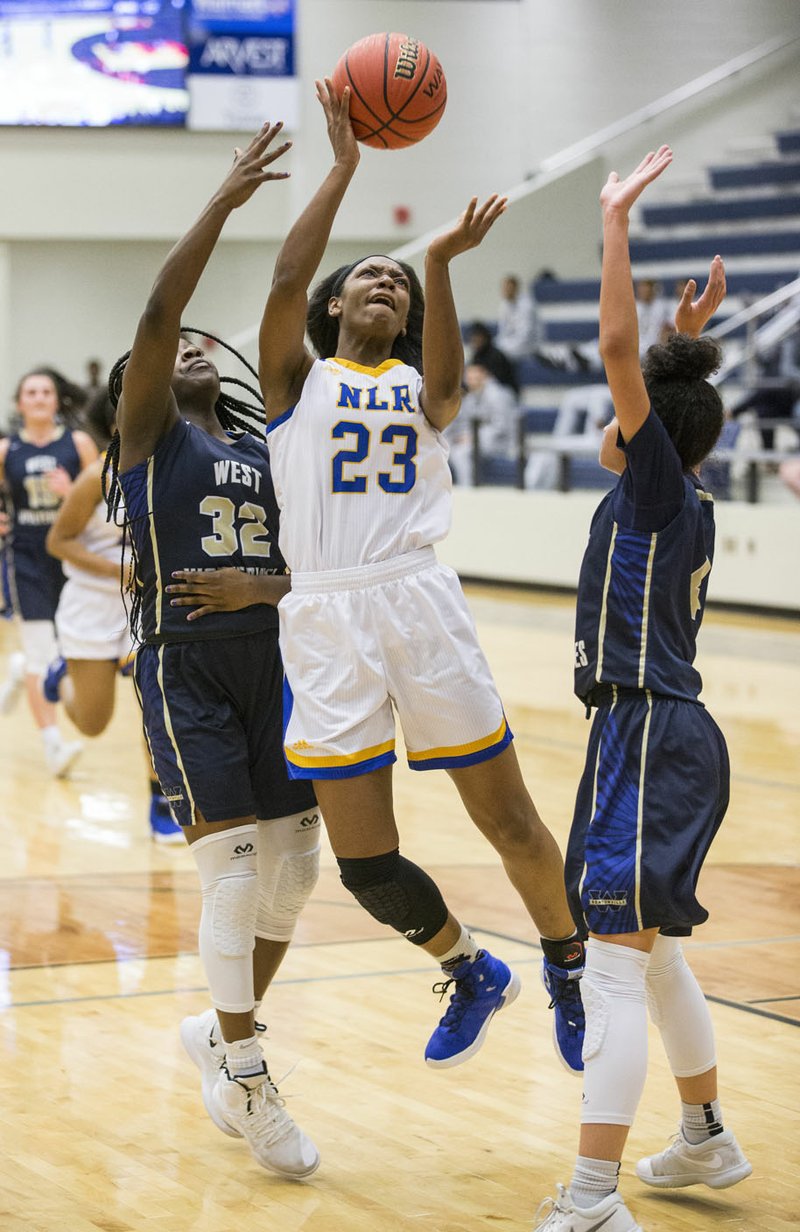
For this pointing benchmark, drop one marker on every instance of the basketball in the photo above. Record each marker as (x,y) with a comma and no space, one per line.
(398,90)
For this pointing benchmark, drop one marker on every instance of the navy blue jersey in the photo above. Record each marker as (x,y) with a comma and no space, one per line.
(201,503)
(34,503)
(644,576)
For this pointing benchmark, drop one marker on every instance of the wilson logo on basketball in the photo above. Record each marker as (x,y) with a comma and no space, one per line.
(407,60)
(433,85)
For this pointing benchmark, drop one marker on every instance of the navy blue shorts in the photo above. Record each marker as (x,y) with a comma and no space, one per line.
(652,796)
(35,579)
(213,717)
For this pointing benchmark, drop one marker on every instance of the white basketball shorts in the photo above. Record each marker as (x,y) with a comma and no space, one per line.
(360,644)
(91,623)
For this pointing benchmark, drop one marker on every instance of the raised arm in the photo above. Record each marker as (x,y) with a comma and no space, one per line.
(283,359)
(442,348)
(692,315)
(147,409)
(619,326)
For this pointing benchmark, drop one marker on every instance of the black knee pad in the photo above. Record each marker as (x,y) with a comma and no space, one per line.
(398,893)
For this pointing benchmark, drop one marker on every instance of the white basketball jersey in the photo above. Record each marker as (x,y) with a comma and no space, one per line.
(360,474)
(102,538)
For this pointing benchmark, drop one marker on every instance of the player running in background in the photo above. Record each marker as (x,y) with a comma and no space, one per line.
(373,623)
(197,498)
(655,787)
(38,465)
(91,619)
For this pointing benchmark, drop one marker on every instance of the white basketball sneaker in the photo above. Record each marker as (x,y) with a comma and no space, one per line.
(719,1162)
(200,1036)
(11,689)
(562,1215)
(62,757)
(253,1108)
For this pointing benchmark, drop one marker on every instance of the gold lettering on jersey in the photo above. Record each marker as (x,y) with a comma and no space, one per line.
(695,583)
(351,398)
(407,58)
(227,470)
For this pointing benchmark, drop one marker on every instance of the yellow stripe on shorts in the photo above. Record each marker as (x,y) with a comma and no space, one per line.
(461,750)
(348,759)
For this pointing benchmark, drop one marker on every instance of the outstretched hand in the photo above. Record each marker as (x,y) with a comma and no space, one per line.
(617,196)
(470,230)
(250,166)
(692,314)
(340,129)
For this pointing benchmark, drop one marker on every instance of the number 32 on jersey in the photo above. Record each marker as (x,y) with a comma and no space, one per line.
(401,454)
(251,536)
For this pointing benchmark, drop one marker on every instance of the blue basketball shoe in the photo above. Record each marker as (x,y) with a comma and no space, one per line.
(569,1020)
(52,679)
(163,826)
(483,987)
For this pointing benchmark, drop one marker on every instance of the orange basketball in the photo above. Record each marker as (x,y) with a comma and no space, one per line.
(397,89)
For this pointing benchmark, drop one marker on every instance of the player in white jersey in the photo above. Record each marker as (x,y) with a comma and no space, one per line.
(373,625)
(91,619)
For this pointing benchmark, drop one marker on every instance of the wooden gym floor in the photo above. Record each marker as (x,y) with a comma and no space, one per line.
(101,1124)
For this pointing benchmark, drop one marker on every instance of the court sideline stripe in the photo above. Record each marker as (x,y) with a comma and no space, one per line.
(746,1007)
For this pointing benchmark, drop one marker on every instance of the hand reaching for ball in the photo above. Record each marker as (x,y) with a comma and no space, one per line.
(340,130)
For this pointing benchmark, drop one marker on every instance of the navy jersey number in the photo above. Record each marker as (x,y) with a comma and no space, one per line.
(402,457)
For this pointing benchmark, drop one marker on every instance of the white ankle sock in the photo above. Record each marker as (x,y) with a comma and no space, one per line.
(244,1058)
(701,1122)
(51,738)
(464,950)
(593,1180)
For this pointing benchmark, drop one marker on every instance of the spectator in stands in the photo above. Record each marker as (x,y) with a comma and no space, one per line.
(777,390)
(655,325)
(654,315)
(481,349)
(496,408)
(789,472)
(517,326)
(95,380)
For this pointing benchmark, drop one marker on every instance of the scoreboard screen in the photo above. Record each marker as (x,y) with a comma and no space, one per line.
(212,64)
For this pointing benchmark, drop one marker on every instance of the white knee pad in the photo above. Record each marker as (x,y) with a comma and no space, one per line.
(679,1010)
(39,646)
(615,1046)
(227,864)
(288,868)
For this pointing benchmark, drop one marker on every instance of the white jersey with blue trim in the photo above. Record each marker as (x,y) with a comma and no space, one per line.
(360,474)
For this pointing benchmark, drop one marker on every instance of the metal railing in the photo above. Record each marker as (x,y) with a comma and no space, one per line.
(574,156)
(567,450)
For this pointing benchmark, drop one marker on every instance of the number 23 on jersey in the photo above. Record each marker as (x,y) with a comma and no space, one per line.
(401,455)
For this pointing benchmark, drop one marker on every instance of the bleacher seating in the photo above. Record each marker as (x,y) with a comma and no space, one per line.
(758,233)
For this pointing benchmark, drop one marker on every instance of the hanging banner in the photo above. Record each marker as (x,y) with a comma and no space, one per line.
(242,64)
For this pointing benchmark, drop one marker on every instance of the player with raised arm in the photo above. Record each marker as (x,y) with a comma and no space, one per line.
(197,498)
(655,786)
(373,624)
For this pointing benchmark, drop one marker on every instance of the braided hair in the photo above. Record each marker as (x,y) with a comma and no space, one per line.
(323,329)
(235,415)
